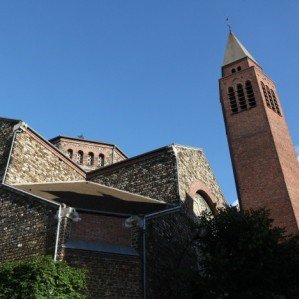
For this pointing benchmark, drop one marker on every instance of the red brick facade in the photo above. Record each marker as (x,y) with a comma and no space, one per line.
(92,154)
(262,152)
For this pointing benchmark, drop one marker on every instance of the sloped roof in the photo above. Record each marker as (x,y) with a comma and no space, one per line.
(235,50)
(91,196)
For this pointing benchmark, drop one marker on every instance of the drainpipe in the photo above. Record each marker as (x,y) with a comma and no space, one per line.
(148,217)
(57,233)
(18,128)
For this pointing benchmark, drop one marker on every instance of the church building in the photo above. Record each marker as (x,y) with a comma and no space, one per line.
(127,219)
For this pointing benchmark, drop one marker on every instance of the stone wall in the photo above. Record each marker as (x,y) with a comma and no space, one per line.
(195,172)
(110,275)
(27,226)
(33,161)
(153,174)
(6,135)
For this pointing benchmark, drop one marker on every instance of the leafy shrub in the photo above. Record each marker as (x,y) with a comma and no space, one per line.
(41,277)
(244,256)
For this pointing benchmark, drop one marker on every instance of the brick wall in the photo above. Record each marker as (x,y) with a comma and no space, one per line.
(33,161)
(102,229)
(265,165)
(111,153)
(27,227)
(110,275)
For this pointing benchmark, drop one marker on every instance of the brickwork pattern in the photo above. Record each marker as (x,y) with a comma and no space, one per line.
(32,162)
(265,165)
(27,227)
(111,154)
(102,229)
(110,275)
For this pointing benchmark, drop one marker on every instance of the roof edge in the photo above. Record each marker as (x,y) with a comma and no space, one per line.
(58,152)
(127,161)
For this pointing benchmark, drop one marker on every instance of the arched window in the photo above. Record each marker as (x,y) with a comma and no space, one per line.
(69,153)
(201,204)
(239,68)
(275,102)
(101,160)
(90,159)
(270,98)
(232,100)
(80,157)
(241,97)
(233,70)
(250,94)
(265,94)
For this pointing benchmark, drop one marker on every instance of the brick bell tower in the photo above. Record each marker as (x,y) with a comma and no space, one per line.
(263,156)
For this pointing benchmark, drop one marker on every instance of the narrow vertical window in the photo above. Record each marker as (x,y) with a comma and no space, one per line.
(241,97)
(90,159)
(277,109)
(266,95)
(232,100)
(250,94)
(270,98)
(80,157)
(101,161)
(69,153)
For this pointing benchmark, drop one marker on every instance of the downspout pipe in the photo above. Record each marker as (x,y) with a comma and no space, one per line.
(18,128)
(57,233)
(145,218)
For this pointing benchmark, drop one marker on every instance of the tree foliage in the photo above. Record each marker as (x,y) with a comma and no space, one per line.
(243,256)
(41,277)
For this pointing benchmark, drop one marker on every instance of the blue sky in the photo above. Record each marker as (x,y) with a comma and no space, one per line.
(141,74)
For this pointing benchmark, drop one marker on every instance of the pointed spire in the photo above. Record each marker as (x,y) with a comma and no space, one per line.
(235,50)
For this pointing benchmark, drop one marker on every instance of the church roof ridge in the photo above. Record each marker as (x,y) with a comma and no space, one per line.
(235,50)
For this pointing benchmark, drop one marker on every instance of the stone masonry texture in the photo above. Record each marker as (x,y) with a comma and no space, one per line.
(194,170)
(32,162)
(6,135)
(110,275)
(154,175)
(27,227)
(167,174)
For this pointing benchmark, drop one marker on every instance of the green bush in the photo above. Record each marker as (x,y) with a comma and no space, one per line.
(41,277)
(244,256)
